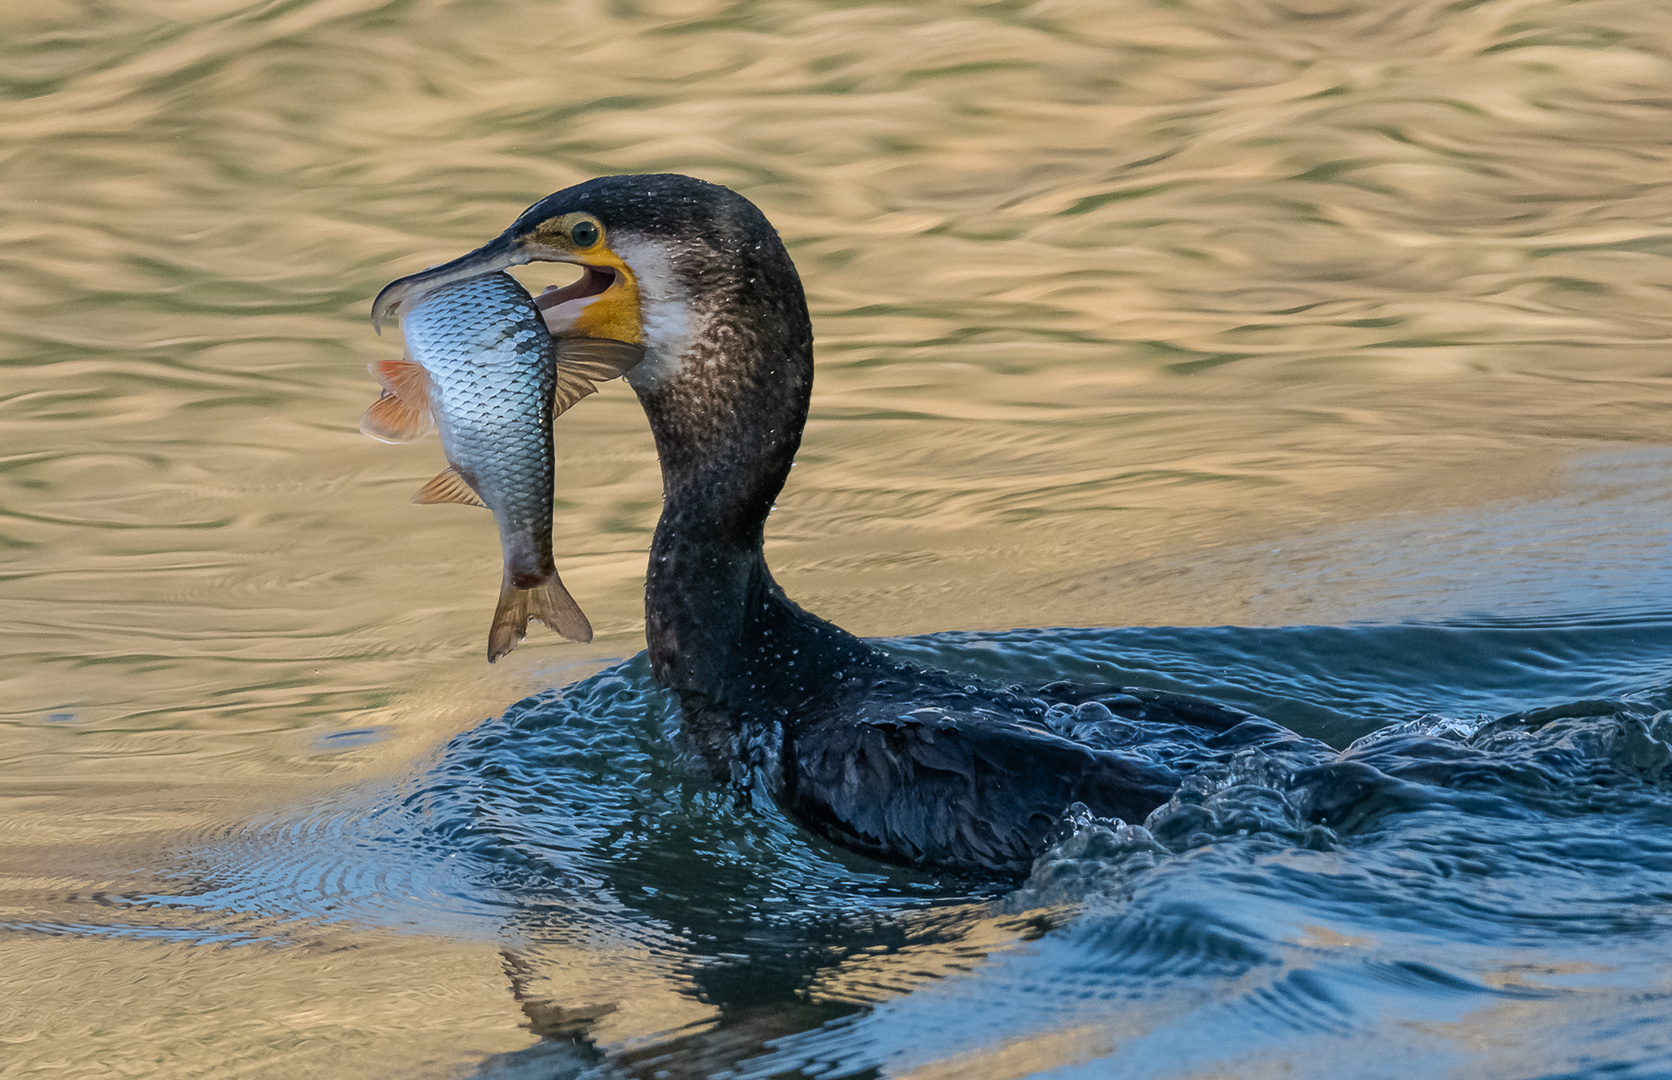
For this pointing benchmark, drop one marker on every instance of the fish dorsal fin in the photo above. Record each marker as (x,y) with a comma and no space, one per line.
(402,414)
(447,486)
(582,363)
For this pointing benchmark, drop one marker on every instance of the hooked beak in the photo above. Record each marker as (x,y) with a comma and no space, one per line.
(499,253)
(603,303)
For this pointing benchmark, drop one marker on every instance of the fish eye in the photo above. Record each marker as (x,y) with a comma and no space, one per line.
(583,234)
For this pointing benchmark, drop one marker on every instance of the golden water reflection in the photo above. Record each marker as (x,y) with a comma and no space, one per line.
(1112,300)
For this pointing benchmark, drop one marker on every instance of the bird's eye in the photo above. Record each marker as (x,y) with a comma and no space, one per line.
(583,234)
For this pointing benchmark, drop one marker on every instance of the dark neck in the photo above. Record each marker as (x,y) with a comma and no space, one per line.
(727,425)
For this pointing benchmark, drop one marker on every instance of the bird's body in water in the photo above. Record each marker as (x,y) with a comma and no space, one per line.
(907,765)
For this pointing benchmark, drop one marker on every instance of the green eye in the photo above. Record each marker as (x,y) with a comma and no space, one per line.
(583,234)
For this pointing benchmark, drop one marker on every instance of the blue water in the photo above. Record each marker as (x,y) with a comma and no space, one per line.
(1462,866)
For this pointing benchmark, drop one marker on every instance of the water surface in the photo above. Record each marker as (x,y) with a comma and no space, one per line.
(1333,333)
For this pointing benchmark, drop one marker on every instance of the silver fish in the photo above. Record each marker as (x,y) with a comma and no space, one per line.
(483,368)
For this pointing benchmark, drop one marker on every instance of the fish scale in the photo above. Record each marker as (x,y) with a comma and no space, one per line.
(491,369)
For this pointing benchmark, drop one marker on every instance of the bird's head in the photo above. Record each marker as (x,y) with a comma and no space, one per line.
(664,258)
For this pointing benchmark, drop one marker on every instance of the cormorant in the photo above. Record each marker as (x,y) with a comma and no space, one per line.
(906,764)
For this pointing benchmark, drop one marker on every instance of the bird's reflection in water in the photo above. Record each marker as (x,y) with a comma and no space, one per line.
(756,983)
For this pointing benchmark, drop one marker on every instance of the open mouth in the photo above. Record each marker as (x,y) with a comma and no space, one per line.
(593,281)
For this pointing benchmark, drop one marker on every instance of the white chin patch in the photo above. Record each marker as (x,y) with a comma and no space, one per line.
(667,320)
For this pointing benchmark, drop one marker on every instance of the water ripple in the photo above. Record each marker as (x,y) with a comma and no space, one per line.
(1273,313)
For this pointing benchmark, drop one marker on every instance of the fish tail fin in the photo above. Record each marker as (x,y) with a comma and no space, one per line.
(549,603)
(552,605)
(510,621)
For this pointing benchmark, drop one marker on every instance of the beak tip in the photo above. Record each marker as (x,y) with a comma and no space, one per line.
(495,255)
(384,306)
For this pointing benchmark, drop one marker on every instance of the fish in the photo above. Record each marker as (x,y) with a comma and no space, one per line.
(482,369)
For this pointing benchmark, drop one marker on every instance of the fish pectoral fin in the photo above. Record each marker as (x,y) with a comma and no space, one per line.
(403,378)
(600,359)
(549,603)
(402,414)
(447,486)
(392,419)
(582,363)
